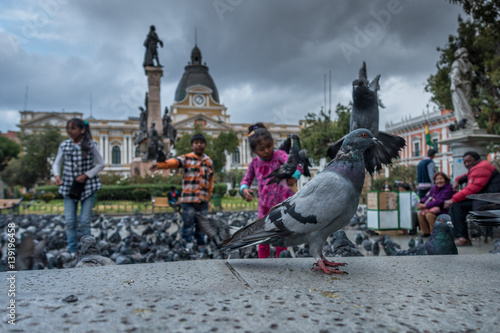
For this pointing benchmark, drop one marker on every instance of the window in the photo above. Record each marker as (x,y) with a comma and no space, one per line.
(116,155)
(236,156)
(416,149)
(137,151)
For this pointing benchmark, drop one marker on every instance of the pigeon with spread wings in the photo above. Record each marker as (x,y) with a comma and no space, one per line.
(321,207)
(287,169)
(365,114)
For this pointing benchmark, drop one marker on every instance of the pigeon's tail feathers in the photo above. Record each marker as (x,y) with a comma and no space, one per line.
(242,244)
(250,235)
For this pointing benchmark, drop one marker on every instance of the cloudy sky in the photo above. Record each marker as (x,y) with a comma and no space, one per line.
(268,58)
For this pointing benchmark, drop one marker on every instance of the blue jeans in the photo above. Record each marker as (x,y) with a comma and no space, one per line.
(70,209)
(190,226)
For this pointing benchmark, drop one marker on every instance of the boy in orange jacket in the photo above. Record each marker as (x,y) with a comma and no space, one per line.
(197,185)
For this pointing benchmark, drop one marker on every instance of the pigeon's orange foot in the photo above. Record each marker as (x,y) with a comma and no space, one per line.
(321,265)
(333,264)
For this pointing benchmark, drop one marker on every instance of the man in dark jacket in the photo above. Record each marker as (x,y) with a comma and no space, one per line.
(425,173)
(476,178)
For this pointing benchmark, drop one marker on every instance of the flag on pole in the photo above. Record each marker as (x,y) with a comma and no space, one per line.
(428,138)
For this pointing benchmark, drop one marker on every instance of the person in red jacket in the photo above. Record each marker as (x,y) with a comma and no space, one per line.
(476,178)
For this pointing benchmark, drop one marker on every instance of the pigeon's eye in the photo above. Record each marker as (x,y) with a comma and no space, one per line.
(364,135)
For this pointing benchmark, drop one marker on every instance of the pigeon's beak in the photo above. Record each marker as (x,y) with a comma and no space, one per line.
(377,141)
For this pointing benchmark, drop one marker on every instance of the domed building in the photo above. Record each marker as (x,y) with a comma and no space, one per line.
(197,99)
(197,103)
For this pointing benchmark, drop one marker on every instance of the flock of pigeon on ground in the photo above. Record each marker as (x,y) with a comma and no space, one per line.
(304,222)
(41,241)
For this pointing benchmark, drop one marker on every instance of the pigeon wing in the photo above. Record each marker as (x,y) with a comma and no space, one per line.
(334,148)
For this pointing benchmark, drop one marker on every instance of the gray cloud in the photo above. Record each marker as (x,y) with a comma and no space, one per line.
(267,58)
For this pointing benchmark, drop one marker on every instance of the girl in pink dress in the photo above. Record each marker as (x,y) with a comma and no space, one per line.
(267,160)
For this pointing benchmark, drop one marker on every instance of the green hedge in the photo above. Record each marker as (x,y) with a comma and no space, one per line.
(126,192)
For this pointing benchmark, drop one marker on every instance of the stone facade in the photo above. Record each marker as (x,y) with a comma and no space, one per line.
(197,103)
(413,131)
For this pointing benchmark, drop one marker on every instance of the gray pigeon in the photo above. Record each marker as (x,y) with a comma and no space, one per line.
(441,240)
(418,250)
(496,247)
(286,170)
(89,254)
(411,243)
(322,206)
(358,239)
(342,246)
(365,114)
(389,245)
(216,229)
(367,244)
(375,248)
(302,155)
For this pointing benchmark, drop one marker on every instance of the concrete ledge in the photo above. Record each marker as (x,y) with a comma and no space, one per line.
(380,294)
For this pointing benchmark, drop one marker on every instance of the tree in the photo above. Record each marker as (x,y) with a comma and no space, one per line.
(17,173)
(225,142)
(8,150)
(216,147)
(481,37)
(34,165)
(320,131)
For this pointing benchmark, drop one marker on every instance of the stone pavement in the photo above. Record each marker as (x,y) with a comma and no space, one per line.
(380,294)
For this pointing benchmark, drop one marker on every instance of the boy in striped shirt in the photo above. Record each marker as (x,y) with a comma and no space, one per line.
(197,185)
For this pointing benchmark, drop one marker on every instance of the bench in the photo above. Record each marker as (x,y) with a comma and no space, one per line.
(11,204)
(159,202)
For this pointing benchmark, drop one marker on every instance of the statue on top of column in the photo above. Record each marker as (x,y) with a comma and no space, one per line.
(151,44)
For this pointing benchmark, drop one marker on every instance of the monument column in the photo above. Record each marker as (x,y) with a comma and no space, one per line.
(154,75)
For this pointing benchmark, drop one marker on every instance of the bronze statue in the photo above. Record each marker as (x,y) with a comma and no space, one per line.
(155,145)
(151,44)
(143,125)
(169,131)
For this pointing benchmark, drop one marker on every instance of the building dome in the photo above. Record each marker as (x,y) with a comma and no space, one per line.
(195,74)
